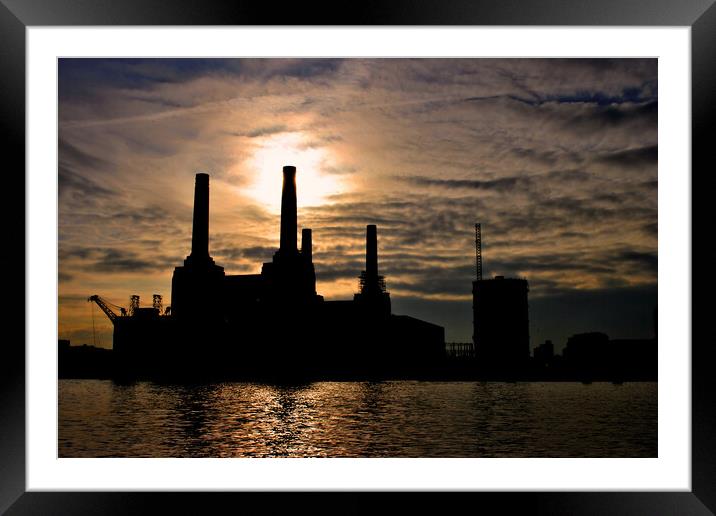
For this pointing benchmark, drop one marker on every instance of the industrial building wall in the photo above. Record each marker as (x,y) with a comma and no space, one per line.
(501,321)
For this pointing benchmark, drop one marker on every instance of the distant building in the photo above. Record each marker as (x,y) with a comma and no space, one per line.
(83,361)
(544,353)
(594,355)
(586,350)
(501,323)
(635,358)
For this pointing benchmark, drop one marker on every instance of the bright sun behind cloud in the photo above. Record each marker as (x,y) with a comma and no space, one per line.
(266,165)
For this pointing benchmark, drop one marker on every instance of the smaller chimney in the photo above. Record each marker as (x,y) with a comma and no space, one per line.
(372,286)
(371,251)
(306,245)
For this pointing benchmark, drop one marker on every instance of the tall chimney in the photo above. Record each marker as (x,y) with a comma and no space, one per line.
(371,251)
(200,230)
(289,224)
(306,245)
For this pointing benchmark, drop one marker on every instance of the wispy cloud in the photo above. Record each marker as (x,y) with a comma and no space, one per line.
(557,158)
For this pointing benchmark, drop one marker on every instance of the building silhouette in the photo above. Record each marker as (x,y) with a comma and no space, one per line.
(501,324)
(544,353)
(275,326)
(83,361)
(500,321)
(594,356)
(272,325)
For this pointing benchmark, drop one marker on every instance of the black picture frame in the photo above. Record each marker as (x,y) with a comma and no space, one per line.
(17,15)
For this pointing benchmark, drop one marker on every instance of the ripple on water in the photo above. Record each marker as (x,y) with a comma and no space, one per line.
(357,419)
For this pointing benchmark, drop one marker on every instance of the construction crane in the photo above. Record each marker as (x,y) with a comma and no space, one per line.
(105,306)
(478,252)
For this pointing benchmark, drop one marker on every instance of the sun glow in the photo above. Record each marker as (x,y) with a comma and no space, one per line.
(266,165)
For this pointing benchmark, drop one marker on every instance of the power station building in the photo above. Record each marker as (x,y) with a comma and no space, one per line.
(273,324)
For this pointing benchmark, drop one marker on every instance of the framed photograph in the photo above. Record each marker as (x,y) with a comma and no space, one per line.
(421,248)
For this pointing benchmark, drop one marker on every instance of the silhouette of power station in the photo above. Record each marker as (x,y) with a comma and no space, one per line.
(274,326)
(270,325)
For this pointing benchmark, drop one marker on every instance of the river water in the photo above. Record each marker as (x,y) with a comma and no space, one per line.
(100,418)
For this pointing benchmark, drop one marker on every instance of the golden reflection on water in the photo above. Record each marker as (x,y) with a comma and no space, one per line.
(352,419)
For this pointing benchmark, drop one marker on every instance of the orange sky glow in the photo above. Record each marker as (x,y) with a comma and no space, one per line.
(556,158)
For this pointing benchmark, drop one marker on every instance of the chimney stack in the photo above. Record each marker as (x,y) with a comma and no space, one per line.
(200,230)
(371,252)
(306,245)
(289,224)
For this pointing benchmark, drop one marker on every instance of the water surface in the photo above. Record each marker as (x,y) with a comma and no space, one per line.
(355,419)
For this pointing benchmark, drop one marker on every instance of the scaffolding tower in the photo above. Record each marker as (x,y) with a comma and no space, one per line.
(478,252)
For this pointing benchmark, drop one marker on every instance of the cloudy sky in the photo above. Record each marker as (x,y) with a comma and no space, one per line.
(556,158)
